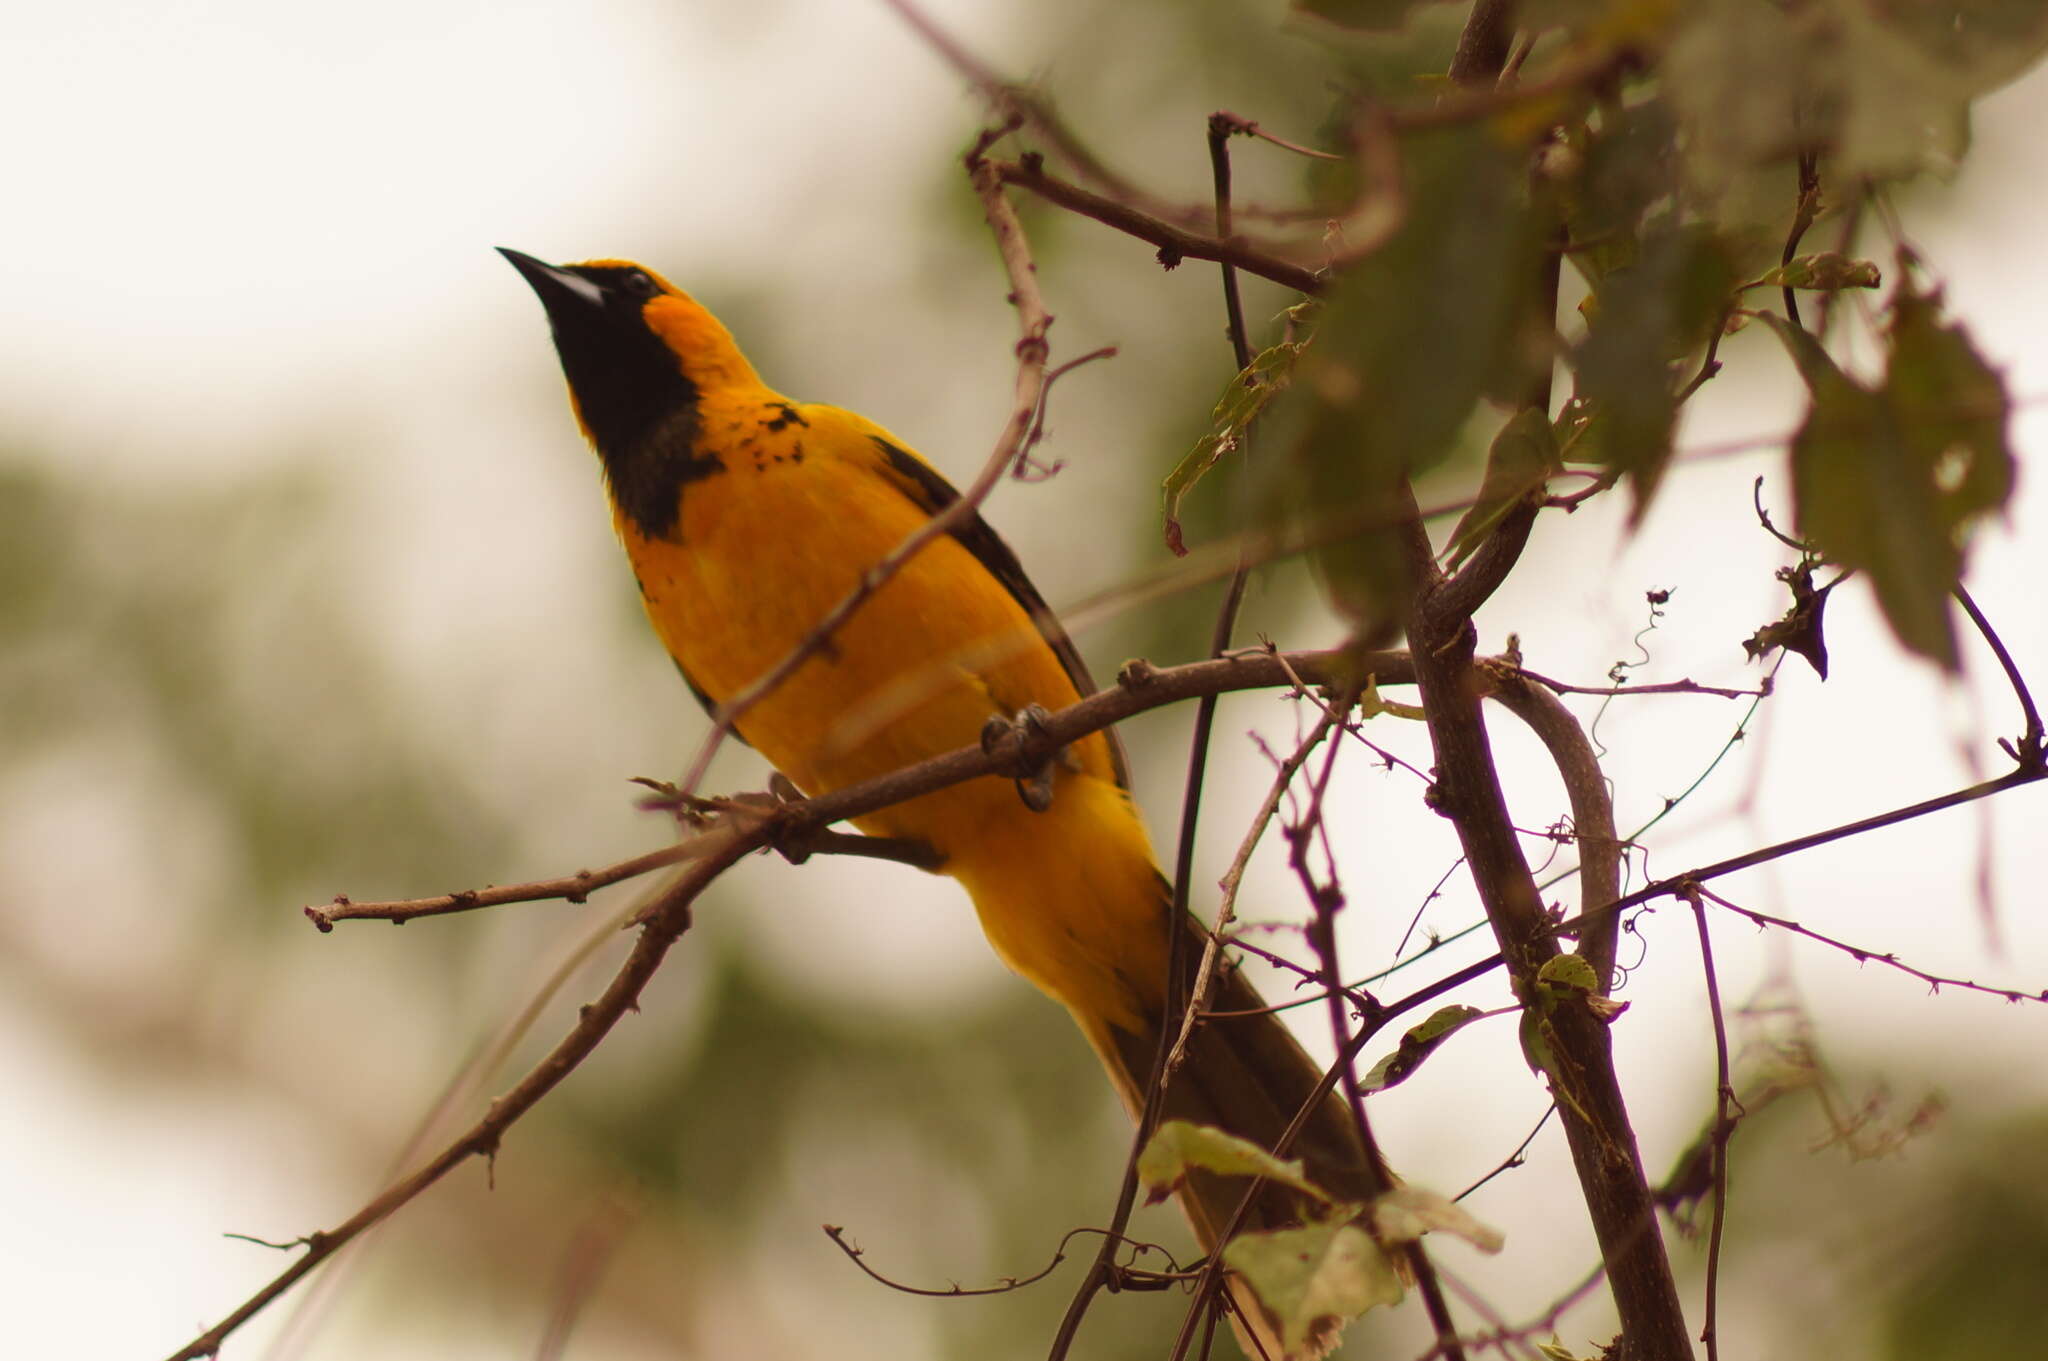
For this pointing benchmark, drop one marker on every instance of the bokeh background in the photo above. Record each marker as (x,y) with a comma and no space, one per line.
(306,587)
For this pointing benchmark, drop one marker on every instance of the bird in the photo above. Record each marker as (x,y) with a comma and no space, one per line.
(746,517)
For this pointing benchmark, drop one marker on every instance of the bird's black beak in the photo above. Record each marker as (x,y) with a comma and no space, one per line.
(560,291)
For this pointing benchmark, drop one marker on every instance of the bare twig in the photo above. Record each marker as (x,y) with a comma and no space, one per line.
(1226,912)
(1514,1159)
(1175,243)
(2031,752)
(1803,214)
(1245,127)
(1006,1284)
(1724,1121)
(668,918)
(1011,444)
(1140,687)
(1862,954)
(1546,1322)
(1172,1043)
(1677,687)
(571,888)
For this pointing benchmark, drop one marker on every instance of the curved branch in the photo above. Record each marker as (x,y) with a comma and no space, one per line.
(1592,806)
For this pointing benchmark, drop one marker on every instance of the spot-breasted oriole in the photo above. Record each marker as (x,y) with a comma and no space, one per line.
(747,517)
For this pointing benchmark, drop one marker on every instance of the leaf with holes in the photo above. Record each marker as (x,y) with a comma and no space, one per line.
(1888,480)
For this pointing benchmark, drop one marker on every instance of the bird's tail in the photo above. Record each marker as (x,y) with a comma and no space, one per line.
(1245,1073)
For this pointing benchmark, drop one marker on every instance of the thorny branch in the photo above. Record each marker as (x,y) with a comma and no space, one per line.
(1864,955)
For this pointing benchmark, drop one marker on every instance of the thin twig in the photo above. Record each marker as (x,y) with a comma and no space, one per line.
(1226,912)
(1245,127)
(1673,886)
(1033,321)
(1677,687)
(1101,1270)
(668,918)
(1803,214)
(2031,752)
(1514,1159)
(1172,1043)
(1140,687)
(1546,1322)
(1004,1286)
(1863,955)
(1175,243)
(1724,1122)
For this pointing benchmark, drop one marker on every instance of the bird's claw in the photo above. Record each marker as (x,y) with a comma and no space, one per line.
(1026,731)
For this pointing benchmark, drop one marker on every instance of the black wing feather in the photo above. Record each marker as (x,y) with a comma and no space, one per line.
(933,493)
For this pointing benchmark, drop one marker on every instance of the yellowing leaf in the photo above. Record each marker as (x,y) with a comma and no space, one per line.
(1178,1147)
(1314,1280)
(1417,1044)
(1565,975)
(1243,399)
(1407,1212)
(1824,271)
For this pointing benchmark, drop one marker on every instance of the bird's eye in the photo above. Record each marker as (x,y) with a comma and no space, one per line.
(637,284)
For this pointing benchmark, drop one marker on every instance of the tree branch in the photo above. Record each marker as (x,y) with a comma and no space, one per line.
(664,922)
(1139,687)
(1585,784)
(1174,243)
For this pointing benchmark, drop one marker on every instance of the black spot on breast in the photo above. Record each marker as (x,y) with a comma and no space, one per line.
(647,479)
(786,416)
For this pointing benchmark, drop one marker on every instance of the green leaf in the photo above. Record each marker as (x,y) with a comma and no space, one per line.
(1179,1147)
(1648,318)
(1314,1279)
(1883,87)
(1566,976)
(1825,271)
(1955,406)
(1417,1044)
(1244,398)
(1521,460)
(1534,1033)
(1190,470)
(1407,1212)
(1414,334)
(1626,164)
(1887,480)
